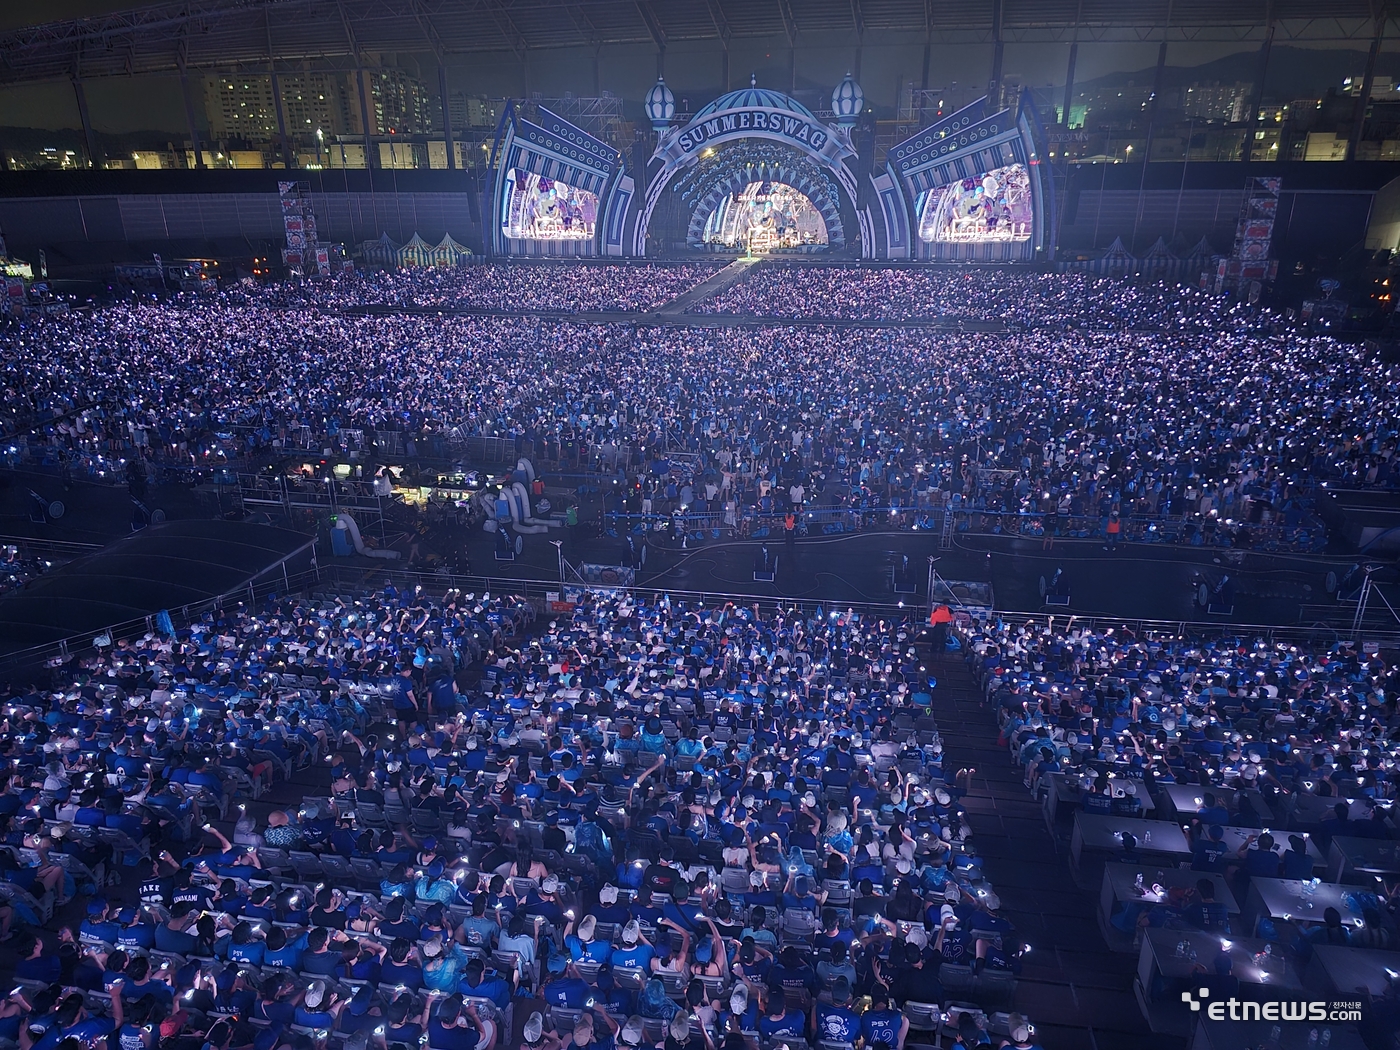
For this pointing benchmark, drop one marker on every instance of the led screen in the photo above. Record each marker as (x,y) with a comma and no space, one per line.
(541,209)
(764,216)
(993,206)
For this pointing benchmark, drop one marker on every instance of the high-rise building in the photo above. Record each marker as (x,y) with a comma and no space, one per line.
(1213,100)
(312,101)
(399,103)
(472,111)
(241,107)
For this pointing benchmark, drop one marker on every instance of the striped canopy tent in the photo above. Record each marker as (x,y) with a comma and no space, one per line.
(379,253)
(1203,250)
(449,253)
(417,252)
(1159,258)
(1117,259)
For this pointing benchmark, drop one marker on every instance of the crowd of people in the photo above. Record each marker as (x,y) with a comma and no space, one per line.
(643,824)
(1043,431)
(1015,298)
(1271,735)
(507,287)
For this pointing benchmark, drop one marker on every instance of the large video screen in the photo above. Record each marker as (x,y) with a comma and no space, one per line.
(993,206)
(764,216)
(540,209)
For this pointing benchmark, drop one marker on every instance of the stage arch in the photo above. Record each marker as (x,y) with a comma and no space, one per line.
(733,171)
(752,135)
(970,187)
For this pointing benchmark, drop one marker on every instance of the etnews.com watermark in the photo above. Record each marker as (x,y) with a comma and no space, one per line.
(1284,1010)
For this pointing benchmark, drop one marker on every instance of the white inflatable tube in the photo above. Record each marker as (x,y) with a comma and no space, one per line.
(527,467)
(524,497)
(520,510)
(360,547)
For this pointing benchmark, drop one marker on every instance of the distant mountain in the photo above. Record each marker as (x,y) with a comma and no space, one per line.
(1294,72)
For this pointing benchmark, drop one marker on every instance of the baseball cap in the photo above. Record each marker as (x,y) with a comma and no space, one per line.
(534,1029)
(315,994)
(550,884)
(432,949)
(631,1032)
(587,928)
(608,894)
(1020,1029)
(840,990)
(631,932)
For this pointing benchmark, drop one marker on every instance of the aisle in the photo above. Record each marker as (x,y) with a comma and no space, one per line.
(731,274)
(1077,993)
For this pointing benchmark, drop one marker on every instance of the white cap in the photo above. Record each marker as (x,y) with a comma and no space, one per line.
(608,894)
(631,1032)
(631,932)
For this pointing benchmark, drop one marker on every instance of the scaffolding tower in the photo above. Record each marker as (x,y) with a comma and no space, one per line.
(601,117)
(1249,266)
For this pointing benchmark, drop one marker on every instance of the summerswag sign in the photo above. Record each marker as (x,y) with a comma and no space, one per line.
(682,145)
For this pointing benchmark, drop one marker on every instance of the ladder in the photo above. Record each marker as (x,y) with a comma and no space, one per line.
(945,540)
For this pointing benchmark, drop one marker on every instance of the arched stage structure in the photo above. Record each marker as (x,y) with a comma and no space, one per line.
(758,170)
(558,190)
(747,136)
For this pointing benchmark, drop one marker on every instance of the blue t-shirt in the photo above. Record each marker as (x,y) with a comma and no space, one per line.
(881,1026)
(837,1024)
(568,992)
(593,951)
(252,952)
(639,956)
(792,1023)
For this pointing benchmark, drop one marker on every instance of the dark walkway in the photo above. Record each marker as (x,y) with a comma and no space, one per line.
(731,274)
(166,566)
(1077,993)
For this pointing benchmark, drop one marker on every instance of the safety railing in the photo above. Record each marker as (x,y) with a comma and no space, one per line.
(755,522)
(269,581)
(355,579)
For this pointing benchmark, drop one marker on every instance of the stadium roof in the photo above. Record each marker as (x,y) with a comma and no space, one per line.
(220,34)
